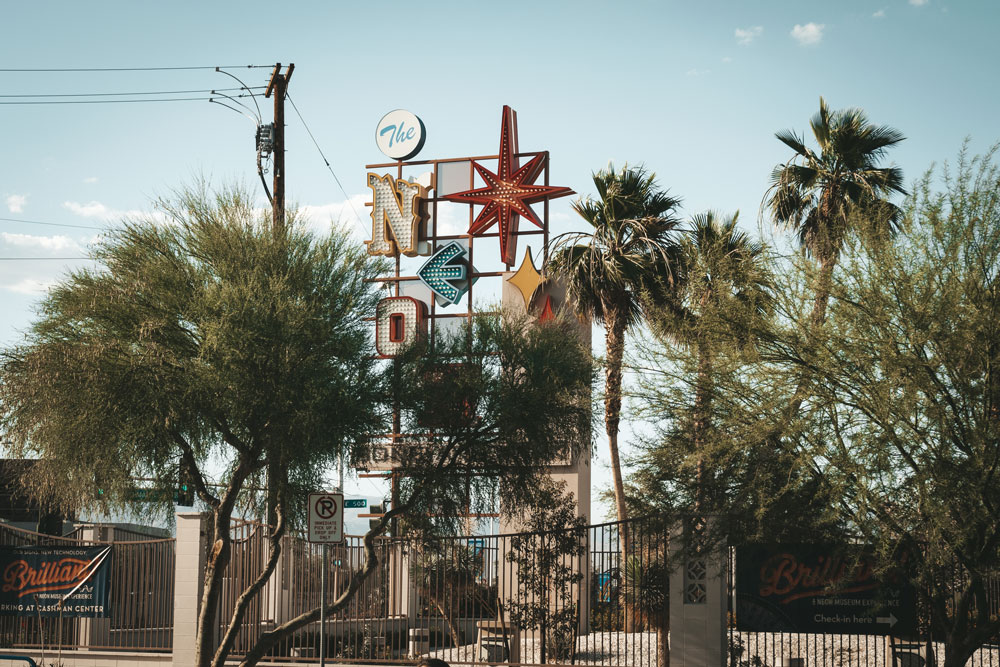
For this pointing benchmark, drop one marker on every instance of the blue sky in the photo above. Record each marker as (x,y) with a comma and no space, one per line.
(693,90)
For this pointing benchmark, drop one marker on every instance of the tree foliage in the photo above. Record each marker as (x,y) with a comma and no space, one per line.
(905,402)
(700,384)
(213,342)
(816,195)
(549,560)
(207,342)
(629,250)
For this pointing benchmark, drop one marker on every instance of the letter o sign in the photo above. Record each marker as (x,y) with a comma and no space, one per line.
(399,322)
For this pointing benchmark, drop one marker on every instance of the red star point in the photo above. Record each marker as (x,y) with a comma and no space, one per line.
(509,192)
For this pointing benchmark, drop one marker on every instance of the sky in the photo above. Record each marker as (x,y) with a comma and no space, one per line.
(693,90)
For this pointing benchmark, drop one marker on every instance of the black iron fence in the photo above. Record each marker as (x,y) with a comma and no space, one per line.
(919,647)
(556,597)
(141,595)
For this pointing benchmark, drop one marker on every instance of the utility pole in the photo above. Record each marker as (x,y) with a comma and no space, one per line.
(278,85)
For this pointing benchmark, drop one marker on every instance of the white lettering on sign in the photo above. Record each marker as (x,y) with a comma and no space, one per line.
(396,216)
(326,517)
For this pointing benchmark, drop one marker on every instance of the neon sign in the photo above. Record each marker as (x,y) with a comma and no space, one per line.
(509,192)
(400,134)
(400,321)
(445,274)
(396,216)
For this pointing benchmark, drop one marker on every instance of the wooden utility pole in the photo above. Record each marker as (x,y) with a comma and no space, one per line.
(278,85)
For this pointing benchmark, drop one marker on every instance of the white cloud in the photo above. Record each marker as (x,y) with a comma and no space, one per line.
(697,72)
(15,203)
(90,179)
(55,244)
(351,213)
(30,286)
(99,211)
(880,14)
(809,34)
(745,36)
(919,3)
(94,209)
(727,59)
(453,219)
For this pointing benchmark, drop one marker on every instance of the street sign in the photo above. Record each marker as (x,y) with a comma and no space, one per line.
(326,517)
(356,502)
(819,589)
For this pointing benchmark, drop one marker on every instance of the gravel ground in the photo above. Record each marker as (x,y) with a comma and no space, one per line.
(750,650)
(597,648)
(840,651)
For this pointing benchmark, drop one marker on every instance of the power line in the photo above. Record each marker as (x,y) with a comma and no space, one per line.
(154,92)
(161,99)
(126,69)
(39,259)
(51,224)
(357,217)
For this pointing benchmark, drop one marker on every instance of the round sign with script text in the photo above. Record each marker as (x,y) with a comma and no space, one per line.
(400,134)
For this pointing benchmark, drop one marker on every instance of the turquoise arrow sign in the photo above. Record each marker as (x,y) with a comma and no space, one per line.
(444,274)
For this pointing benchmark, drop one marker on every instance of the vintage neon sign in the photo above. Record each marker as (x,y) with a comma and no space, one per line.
(400,134)
(509,192)
(445,273)
(400,321)
(396,216)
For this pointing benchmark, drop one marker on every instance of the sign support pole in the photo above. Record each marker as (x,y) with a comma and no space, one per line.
(322,606)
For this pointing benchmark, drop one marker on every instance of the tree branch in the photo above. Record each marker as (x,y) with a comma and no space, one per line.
(269,639)
(187,455)
(247,596)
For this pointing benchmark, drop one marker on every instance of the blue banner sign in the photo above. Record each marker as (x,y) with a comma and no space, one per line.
(54,581)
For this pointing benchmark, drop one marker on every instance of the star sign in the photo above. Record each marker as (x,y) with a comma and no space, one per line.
(509,192)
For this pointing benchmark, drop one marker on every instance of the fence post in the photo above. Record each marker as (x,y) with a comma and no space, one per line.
(91,629)
(189,563)
(698,602)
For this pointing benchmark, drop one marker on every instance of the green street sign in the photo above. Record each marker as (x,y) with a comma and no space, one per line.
(356,502)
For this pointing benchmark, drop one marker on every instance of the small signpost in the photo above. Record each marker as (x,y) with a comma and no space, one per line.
(326,525)
(355,503)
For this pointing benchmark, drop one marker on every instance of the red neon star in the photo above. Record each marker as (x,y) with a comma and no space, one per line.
(509,192)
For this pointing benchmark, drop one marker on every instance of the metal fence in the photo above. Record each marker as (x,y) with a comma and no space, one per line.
(558,597)
(772,649)
(141,595)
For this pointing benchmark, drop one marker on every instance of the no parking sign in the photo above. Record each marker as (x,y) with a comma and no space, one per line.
(326,517)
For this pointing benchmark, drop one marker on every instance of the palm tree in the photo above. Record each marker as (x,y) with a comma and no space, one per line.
(629,251)
(815,194)
(724,290)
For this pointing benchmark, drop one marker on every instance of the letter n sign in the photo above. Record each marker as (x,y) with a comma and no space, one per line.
(399,322)
(396,216)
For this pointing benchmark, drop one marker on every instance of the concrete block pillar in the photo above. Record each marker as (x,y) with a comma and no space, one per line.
(698,602)
(190,556)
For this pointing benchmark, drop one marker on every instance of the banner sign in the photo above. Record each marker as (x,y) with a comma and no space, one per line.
(819,589)
(54,581)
